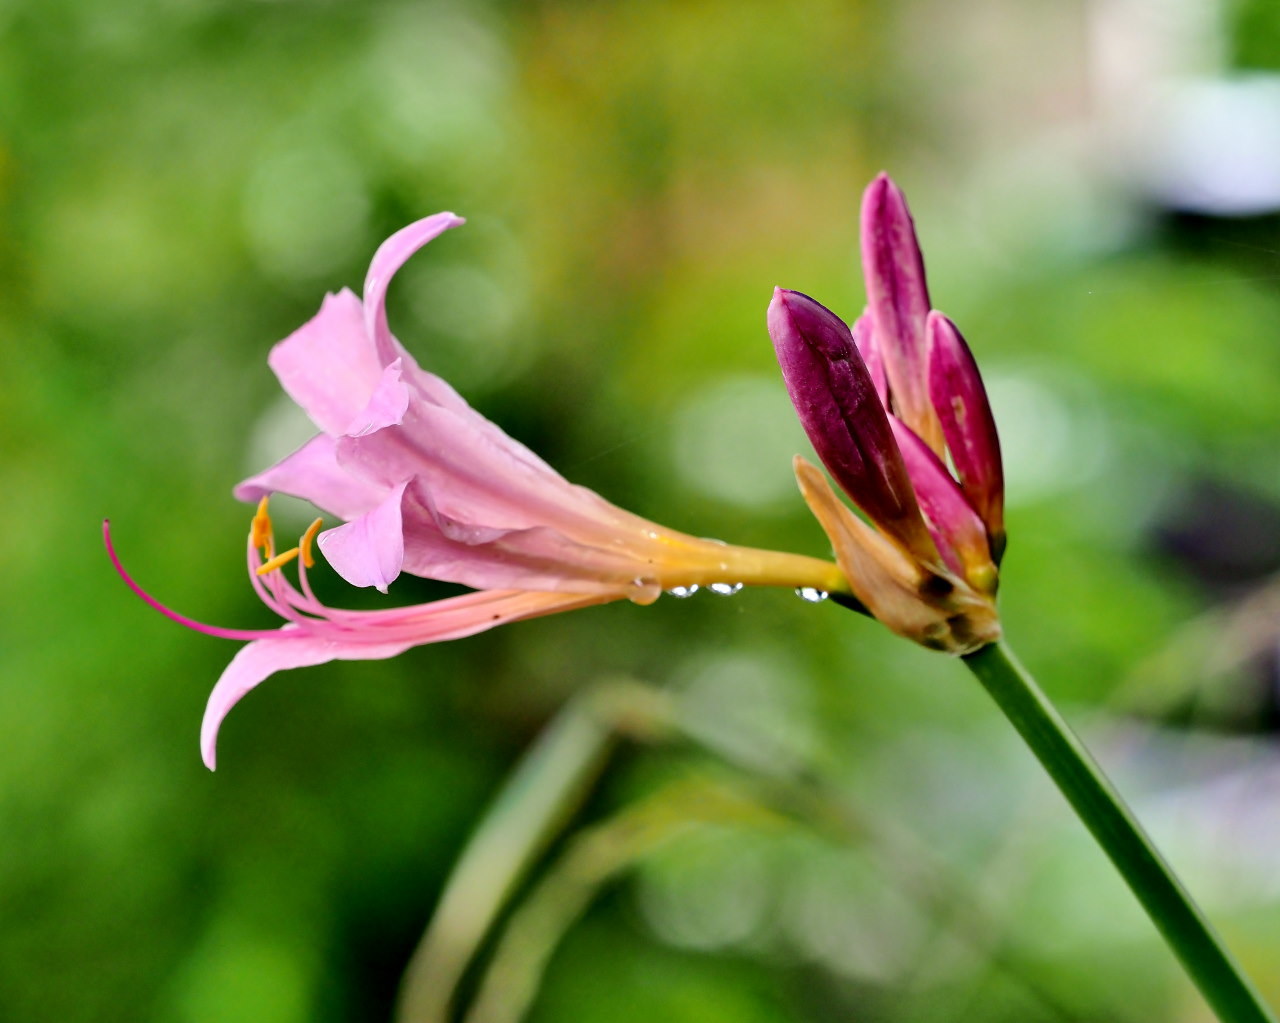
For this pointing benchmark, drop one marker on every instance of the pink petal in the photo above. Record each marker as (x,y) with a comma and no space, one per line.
(955,526)
(387,405)
(899,301)
(369,636)
(430,387)
(329,365)
(475,473)
(955,387)
(864,337)
(536,558)
(369,551)
(263,658)
(391,255)
(314,474)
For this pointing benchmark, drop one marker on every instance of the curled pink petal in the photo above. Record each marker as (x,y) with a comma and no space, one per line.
(289,648)
(389,258)
(329,365)
(382,634)
(957,393)
(369,551)
(898,298)
(387,404)
(314,474)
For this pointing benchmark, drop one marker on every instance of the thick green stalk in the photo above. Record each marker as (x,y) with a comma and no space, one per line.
(1113,825)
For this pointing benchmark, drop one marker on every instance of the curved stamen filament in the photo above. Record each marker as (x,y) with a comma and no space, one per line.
(278,593)
(181,619)
(270,589)
(308,538)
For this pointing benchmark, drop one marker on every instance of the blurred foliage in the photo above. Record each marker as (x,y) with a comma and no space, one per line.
(180,180)
(1255,34)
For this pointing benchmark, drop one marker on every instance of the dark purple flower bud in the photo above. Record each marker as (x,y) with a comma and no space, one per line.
(898,298)
(955,388)
(837,403)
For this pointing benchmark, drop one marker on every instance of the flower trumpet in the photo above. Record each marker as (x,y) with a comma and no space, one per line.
(424,484)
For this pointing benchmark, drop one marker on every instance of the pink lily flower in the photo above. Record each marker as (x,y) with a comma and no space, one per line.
(885,403)
(426,485)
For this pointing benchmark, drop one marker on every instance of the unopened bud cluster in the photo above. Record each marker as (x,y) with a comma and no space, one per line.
(886,403)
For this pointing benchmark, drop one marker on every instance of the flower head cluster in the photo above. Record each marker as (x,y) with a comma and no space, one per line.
(886,403)
(424,484)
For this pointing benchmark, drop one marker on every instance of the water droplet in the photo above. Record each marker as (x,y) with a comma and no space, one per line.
(725,589)
(811,594)
(644,591)
(683,591)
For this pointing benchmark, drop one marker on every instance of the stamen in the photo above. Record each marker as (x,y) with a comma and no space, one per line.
(260,531)
(308,538)
(279,561)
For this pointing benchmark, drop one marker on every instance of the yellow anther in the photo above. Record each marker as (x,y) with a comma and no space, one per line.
(260,531)
(277,561)
(308,538)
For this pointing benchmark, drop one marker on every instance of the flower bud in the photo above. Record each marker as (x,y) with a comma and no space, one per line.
(898,299)
(837,403)
(885,405)
(957,394)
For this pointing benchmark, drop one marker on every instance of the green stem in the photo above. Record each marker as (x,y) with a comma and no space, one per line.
(1113,825)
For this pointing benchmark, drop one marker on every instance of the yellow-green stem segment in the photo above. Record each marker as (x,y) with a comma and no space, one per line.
(1213,969)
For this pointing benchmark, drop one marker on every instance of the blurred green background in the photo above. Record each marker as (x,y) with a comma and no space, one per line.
(181,180)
